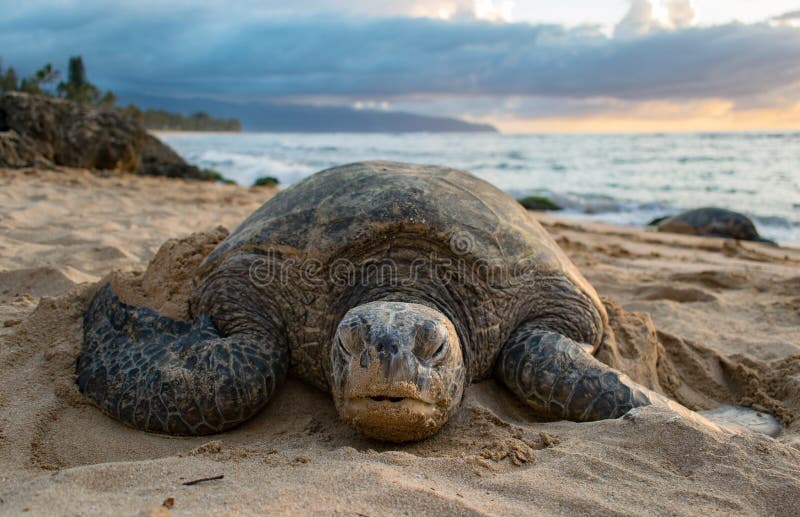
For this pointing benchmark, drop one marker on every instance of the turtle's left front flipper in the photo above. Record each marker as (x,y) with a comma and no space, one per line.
(556,377)
(176,377)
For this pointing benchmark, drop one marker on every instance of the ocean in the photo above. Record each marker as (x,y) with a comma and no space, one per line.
(623,179)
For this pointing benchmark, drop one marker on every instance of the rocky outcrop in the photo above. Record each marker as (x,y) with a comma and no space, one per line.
(158,159)
(18,151)
(38,130)
(711,222)
(66,133)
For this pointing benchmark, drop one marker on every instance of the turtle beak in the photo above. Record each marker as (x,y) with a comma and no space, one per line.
(397,373)
(395,357)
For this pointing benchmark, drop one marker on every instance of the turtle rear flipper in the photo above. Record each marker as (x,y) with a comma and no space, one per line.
(739,418)
(177,377)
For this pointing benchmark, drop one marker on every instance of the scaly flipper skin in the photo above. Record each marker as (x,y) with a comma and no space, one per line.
(556,377)
(175,377)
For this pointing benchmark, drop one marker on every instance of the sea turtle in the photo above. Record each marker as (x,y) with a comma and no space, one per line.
(390,285)
(711,222)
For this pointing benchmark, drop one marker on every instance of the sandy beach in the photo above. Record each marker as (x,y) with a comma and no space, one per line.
(705,321)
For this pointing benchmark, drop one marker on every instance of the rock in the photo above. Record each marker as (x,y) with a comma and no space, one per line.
(658,220)
(158,159)
(66,133)
(17,150)
(540,203)
(266,181)
(39,131)
(711,222)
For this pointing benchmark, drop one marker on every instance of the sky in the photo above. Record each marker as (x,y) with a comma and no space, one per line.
(524,65)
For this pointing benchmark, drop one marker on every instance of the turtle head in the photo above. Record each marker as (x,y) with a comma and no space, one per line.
(397,370)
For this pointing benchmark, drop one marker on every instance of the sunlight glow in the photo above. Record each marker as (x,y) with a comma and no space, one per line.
(661,116)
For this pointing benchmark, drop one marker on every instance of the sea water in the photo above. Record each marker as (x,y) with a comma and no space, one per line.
(624,179)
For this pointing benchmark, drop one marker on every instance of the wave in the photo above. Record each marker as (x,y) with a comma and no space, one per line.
(245,168)
(620,179)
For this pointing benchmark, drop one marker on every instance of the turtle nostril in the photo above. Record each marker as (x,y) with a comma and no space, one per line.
(365,359)
(387,348)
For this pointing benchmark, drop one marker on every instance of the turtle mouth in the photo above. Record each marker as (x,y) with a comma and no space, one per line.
(382,398)
(391,418)
(390,403)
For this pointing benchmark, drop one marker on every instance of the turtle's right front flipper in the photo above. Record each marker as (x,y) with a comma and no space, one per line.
(176,377)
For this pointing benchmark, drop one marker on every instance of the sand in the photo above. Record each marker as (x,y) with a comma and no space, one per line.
(705,321)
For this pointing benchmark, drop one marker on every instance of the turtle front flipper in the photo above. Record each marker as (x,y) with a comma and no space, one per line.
(177,377)
(556,377)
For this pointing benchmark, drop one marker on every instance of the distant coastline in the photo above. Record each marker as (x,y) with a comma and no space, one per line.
(274,117)
(188,132)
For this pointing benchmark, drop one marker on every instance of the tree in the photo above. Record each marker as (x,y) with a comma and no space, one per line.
(77,71)
(44,76)
(78,88)
(47,74)
(133,111)
(8,81)
(108,100)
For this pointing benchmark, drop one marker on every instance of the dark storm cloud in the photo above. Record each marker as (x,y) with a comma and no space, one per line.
(200,52)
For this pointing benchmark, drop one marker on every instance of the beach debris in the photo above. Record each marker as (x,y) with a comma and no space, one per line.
(203,480)
(299,460)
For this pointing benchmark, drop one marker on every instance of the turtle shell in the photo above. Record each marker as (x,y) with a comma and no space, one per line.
(361,213)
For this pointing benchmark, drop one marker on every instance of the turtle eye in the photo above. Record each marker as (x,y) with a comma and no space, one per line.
(431,340)
(441,350)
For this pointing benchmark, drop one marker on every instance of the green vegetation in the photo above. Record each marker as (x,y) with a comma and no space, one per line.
(8,80)
(77,88)
(266,181)
(538,203)
(34,84)
(217,176)
(43,77)
(161,120)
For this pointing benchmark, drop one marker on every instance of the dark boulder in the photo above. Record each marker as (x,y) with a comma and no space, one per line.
(37,130)
(711,222)
(539,203)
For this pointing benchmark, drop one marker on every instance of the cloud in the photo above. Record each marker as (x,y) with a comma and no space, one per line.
(497,10)
(640,18)
(789,18)
(681,13)
(791,15)
(180,49)
(494,10)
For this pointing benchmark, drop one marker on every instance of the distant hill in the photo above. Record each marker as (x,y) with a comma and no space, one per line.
(296,118)
(161,120)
